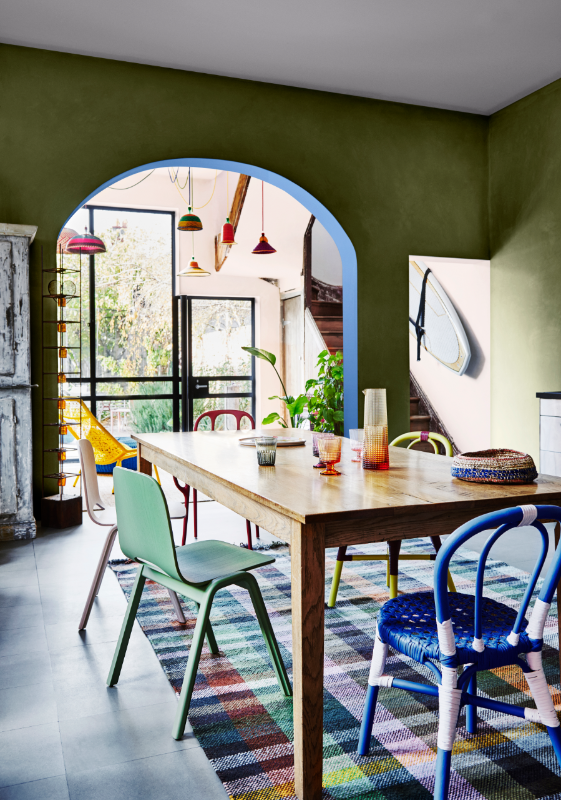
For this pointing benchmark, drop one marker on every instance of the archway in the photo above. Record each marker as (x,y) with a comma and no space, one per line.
(329,222)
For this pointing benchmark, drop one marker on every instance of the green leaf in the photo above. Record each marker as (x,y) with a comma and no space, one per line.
(264,354)
(273,417)
(297,406)
(310,383)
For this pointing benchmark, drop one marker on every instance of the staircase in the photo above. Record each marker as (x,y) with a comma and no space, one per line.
(328,316)
(423,417)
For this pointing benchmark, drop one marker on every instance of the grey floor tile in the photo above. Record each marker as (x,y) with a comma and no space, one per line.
(174,776)
(25,706)
(99,629)
(47,789)
(19,577)
(75,700)
(19,595)
(69,609)
(104,739)
(23,616)
(91,663)
(15,556)
(24,668)
(29,754)
(23,640)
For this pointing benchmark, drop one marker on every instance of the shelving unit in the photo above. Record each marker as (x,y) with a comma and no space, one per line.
(61,358)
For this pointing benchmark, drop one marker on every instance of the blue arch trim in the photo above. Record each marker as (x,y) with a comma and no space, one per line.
(329,222)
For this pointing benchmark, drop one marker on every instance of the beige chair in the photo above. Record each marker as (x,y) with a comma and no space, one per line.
(107,518)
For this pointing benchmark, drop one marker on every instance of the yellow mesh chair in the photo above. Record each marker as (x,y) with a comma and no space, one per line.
(107,449)
(393,556)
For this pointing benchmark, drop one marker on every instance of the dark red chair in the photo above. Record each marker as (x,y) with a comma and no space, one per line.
(185,490)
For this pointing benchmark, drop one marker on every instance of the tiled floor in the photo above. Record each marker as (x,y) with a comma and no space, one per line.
(63,733)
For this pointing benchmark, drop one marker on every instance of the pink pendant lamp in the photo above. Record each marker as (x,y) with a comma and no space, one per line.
(263,248)
(228,232)
(85,243)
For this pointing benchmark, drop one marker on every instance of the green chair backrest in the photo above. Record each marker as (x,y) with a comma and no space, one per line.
(432,438)
(143,521)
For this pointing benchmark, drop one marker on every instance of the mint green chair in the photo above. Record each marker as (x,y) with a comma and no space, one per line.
(197,571)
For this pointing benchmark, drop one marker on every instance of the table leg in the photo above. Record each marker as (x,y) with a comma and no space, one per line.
(144,466)
(308,601)
(557,531)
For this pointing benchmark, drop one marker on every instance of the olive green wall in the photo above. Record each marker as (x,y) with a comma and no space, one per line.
(400,179)
(525,214)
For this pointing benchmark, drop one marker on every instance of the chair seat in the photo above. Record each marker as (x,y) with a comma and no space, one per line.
(408,624)
(201,562)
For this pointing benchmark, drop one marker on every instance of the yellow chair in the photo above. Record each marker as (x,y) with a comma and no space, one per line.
(393,556)
(107,449)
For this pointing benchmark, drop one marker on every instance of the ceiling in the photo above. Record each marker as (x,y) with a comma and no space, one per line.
(470,55)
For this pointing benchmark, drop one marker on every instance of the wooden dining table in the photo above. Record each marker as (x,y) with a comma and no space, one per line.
(416,497)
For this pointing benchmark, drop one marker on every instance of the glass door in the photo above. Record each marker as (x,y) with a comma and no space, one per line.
(219,373)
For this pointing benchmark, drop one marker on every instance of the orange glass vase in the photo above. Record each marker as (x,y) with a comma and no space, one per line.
(375,453)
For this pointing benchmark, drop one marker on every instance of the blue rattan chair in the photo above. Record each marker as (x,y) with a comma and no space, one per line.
(454,629)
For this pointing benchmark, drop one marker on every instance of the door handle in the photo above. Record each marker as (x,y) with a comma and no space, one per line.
(200,386)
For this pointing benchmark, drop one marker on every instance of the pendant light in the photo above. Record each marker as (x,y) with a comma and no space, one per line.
(263,248)
(228,228)
(190,221)
(64,237)
(193,271)
(85,243)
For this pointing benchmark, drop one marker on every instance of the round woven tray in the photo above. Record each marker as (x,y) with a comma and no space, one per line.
(494,466)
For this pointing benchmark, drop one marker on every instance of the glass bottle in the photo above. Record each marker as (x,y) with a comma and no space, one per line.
(375,453)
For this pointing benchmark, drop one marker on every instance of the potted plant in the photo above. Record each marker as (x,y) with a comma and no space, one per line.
(294,406)
(325,404)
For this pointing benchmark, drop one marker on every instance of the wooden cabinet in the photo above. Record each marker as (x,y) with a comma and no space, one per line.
(16,512)
(550,433)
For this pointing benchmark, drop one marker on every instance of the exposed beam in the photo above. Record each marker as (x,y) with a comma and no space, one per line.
(221,251)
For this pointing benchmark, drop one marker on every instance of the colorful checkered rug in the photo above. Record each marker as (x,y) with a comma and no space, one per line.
(244,723)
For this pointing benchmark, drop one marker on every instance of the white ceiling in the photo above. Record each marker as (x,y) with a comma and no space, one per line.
(471,55)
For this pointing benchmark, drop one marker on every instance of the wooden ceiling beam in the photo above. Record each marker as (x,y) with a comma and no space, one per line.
(221,251)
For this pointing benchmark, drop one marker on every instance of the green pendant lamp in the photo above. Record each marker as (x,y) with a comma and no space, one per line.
(190,221)
(263,248)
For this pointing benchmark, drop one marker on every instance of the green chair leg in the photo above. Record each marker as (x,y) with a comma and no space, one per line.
(192,665)
(335,584)
(210,637)
(268,633)
(126,628)
(451,584)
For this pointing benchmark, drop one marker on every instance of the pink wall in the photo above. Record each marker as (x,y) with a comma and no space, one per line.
(463,403)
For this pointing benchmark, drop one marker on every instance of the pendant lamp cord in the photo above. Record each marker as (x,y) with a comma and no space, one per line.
(262,207)
(419,323)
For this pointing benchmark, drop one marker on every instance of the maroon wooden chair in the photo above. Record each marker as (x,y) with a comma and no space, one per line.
(185,490)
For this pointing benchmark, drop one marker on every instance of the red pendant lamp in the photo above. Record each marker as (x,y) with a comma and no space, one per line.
(263,248)
(190,221)
(85,243)
(228,232)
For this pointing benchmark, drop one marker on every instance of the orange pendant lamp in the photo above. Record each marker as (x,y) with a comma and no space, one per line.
(228,232)
(263,248)
(190,221)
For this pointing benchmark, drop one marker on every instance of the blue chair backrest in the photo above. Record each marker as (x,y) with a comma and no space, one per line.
(501,522)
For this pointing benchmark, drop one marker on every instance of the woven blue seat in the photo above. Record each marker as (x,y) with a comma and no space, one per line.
(408,624)
(446,631)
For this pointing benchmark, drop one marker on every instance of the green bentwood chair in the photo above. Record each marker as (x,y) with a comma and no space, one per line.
(196,571)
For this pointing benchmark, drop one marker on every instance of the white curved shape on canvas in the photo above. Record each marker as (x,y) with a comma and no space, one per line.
(444,338)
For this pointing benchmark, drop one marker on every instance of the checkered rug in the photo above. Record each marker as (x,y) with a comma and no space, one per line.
(244,722)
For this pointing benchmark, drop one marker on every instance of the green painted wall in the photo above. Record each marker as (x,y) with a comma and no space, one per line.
(401,179)
(525,230)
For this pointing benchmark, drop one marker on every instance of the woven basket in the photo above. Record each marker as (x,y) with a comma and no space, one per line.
(495,466)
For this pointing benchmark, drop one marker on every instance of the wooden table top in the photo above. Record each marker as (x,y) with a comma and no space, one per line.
(415,482)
